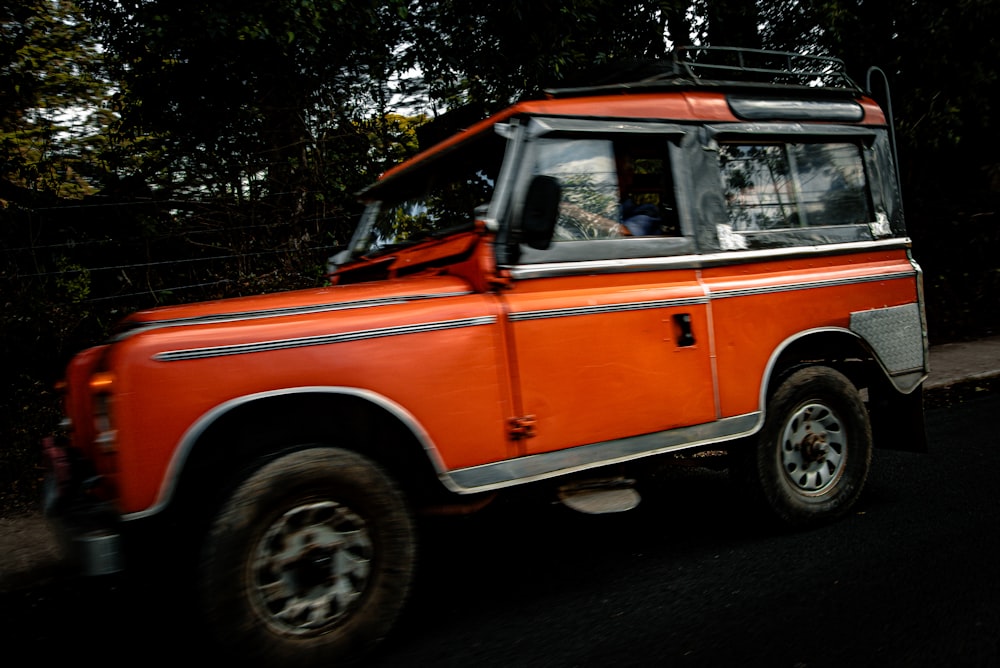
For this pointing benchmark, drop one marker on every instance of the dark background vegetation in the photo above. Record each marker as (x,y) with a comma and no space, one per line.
(154,152)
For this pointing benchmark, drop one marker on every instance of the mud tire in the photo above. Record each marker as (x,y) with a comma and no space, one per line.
(309,562)
(811,458)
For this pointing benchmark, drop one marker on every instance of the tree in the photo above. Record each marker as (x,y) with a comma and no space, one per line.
(52,119)
(243,100)
(734,23)
(492,53)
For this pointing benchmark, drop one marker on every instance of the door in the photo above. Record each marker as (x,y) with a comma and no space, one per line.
(608,327)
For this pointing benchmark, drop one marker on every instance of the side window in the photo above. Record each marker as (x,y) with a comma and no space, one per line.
(585,169)
(611,189)
(774,187)
(647,190)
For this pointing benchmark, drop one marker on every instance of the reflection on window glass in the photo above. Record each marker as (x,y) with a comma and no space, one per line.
(611,188)
(585,169)
(790,186)
(443,206)
(436,198)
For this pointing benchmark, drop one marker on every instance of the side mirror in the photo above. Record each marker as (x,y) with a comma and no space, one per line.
(541,211)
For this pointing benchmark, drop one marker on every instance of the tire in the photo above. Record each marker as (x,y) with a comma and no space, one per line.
(812,456)
(308,562)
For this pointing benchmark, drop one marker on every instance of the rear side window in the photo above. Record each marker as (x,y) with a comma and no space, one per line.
(788,187)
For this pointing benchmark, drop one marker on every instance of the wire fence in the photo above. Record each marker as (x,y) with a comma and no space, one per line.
(100,262)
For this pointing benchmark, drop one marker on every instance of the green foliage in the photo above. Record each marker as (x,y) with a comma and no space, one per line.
(253,100)
(73,280)
(495,52)
(51,123)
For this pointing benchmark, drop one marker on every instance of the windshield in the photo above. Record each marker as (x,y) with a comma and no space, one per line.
(436,197)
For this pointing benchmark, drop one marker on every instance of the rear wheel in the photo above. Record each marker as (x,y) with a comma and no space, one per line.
(309,561)
(813,454)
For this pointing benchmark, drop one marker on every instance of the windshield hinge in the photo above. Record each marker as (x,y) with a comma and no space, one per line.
(521,427)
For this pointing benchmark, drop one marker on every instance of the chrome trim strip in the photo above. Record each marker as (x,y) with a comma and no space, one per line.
(279,312)
(195,431)
(570,311)
(789,128)
(712,294)
(808,285)
(662,263)
(550,269)
(326,339)
(780,348)
(730,257)
(904,383)
(560,462)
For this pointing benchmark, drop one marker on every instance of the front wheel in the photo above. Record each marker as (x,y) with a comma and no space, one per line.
(814,451)
(309,562)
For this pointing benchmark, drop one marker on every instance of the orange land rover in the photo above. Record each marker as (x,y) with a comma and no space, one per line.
(711,259)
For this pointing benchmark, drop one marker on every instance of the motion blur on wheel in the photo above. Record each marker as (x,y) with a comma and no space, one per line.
(309,562)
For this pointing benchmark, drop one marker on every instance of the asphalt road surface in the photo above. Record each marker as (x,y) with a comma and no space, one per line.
(910,579)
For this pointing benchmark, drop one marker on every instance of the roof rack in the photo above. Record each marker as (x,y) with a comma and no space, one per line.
(724,66)
(762,66)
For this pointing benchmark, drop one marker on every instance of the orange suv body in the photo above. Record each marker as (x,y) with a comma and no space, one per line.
(499,319)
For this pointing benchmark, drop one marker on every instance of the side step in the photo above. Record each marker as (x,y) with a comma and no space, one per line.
(600,496)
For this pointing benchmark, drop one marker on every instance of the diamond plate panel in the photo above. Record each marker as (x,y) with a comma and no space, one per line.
(895,334)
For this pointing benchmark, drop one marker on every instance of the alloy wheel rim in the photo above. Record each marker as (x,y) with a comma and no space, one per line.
(311,568)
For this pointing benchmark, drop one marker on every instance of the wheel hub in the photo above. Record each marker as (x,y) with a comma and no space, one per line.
(813,449)
(311,567)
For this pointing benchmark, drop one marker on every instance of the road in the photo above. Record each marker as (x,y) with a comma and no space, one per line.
(910,579)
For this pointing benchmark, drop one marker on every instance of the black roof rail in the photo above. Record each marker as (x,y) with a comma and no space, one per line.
(737,64)
(723,66)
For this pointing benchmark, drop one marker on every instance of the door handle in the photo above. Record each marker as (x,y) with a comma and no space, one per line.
(682,327)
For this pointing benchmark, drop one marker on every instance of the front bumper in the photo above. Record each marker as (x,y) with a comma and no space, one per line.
(86,528)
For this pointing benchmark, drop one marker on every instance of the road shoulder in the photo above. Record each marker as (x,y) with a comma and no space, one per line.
(29,552)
